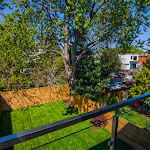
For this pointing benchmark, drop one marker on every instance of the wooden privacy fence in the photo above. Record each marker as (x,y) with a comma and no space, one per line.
(83,104)
(35,96)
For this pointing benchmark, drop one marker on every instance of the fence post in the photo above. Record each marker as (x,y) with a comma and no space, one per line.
(112,142)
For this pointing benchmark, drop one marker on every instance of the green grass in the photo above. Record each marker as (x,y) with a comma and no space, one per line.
(136,118)
(26,118)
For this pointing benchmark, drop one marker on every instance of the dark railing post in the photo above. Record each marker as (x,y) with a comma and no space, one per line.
(112,142)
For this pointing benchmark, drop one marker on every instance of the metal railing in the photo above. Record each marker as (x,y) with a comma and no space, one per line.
(10,140)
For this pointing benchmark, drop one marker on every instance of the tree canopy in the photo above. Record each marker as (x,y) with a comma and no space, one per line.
(18,71)
(93,72)
(131,49)
(72,27)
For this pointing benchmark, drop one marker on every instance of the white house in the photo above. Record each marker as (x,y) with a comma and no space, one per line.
(129,61)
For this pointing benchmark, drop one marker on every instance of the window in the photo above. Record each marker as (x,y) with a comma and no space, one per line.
(131,57)
(135,58)
(133,66)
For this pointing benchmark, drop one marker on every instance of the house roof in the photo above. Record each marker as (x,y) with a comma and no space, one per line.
(115,86)
(137,54)
(142,59)
(144,54)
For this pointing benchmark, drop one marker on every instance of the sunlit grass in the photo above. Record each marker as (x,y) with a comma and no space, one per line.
(26,118)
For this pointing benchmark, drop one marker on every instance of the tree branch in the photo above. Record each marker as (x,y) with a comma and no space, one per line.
(38,54)
(91,15)
(43,52)
(53,15)
(11,35)
(86,48)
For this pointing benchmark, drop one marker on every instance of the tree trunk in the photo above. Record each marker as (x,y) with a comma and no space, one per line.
(70,72)
(73,72)
(72,86)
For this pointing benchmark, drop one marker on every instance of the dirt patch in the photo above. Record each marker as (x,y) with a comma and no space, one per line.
(95,128)
(67,103)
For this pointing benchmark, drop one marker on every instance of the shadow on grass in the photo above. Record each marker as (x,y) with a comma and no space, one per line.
(71,110)
(5,125)
(101,146)
(119,146)
(59,138)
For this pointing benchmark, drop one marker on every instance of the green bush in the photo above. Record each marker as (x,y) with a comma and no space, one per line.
(111,100)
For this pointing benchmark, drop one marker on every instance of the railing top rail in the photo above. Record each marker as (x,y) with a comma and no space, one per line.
(10,140)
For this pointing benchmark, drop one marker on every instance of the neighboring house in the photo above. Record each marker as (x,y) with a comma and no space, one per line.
(121,82)
(129,61)
(131,65)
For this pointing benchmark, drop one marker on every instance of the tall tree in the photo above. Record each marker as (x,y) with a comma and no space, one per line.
(76,26)
(93,72)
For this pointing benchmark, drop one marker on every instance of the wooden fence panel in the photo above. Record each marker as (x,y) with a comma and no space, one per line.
(35,96)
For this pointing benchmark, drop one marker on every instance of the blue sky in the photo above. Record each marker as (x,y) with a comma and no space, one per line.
(143,36)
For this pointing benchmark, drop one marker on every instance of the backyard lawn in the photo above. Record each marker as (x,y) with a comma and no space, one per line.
(26,118)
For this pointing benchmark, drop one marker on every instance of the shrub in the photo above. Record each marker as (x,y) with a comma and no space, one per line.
(111,100)
(71,110)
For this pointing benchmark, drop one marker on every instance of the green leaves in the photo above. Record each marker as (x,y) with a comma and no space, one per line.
(92,72)
(141,84)
(147,63)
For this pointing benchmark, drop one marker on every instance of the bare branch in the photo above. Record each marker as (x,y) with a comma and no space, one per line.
(92,8)
(50,8)
(53,15)
(43,52)
(38,54)
(94,42)
(61,45)
(92,14)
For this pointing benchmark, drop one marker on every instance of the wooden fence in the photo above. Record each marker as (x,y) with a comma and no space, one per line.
(35,96)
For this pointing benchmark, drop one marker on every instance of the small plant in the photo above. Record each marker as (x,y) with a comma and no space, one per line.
(99,121)
(71,110)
